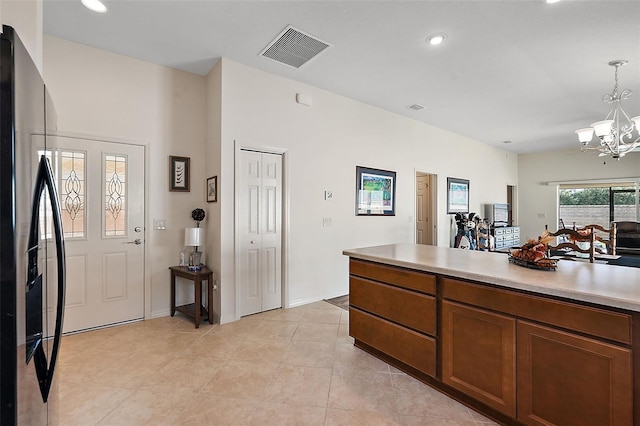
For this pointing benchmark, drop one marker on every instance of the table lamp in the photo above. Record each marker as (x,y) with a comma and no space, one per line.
(194,237)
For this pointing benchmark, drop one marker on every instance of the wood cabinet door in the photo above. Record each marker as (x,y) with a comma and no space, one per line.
(565,379)
(478,355)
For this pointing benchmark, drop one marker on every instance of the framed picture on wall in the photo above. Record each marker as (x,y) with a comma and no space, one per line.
(212,189)
(457,195)
(179,173)
(375,192)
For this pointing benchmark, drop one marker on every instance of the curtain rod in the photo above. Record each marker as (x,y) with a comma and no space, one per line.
(632,180)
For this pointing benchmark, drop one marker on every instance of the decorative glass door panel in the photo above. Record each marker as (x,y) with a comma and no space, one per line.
(72,193)
(115,194)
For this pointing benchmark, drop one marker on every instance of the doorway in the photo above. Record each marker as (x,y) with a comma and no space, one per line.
(259,230)
(102,191)
(426,208)
(512,197)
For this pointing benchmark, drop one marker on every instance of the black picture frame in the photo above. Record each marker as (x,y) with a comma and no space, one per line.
(375,192)
(179,173)
(212,189)
(457,195)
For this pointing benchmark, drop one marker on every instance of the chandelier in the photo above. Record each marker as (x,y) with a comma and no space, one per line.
(615,132)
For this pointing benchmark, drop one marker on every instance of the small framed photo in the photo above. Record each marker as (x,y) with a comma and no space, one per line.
(457,195)
(179,173)
(212,189)
(375,192)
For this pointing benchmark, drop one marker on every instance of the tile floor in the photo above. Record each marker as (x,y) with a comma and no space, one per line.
(285,367)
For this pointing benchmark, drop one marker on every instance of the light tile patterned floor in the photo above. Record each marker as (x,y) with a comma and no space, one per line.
(285,367)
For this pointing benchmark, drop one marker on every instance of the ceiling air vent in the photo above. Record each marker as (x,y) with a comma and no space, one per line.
(415,107)
(294,47)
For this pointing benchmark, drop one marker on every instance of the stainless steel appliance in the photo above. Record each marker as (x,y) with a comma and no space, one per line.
(32,262)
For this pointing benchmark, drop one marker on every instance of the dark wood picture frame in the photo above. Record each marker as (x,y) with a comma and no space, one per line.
(375,192)
(179,173)
(457,195)
(212,189)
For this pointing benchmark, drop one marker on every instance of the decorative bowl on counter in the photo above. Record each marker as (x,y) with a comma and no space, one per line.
(533,254)
(543,264)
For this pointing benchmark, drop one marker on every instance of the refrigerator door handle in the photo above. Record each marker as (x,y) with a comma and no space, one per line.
(45,180)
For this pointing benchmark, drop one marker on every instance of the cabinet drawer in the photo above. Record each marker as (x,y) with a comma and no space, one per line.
(498,231)
(407,346)
(597,322)
(413,280)
(508,230)
(415,310)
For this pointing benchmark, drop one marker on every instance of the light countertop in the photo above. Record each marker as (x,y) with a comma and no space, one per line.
(607,285)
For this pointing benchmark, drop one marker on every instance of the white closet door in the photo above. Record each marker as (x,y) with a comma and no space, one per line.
(260,232)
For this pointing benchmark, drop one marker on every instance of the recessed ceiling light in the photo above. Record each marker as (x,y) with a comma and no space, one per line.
(436,39)
(95,5)
(507,142)
(552,1)
(416,107)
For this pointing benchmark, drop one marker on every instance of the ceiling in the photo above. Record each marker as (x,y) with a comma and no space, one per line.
(521,71)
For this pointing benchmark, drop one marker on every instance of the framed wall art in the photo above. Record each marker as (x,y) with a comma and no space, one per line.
(179,173)
(212,189)
(457,195)
(375,192)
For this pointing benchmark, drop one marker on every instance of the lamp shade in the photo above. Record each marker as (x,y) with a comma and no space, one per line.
(585,135)
(602,127)
(194,237)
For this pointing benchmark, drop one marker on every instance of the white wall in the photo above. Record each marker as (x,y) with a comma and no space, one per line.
(213,168)
(25,16)
(538,204)
(176,113)
(324,145)
(119,98)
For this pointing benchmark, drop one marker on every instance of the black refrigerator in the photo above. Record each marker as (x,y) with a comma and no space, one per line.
(32,262)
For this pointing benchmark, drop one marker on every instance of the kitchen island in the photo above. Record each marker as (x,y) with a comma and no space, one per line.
(522,346)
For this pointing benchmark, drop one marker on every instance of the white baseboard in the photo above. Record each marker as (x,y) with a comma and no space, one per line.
(160,313)
(301,302)
(227,319)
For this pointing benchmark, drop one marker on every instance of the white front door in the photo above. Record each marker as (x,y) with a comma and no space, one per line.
(101,190)
(260,231)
